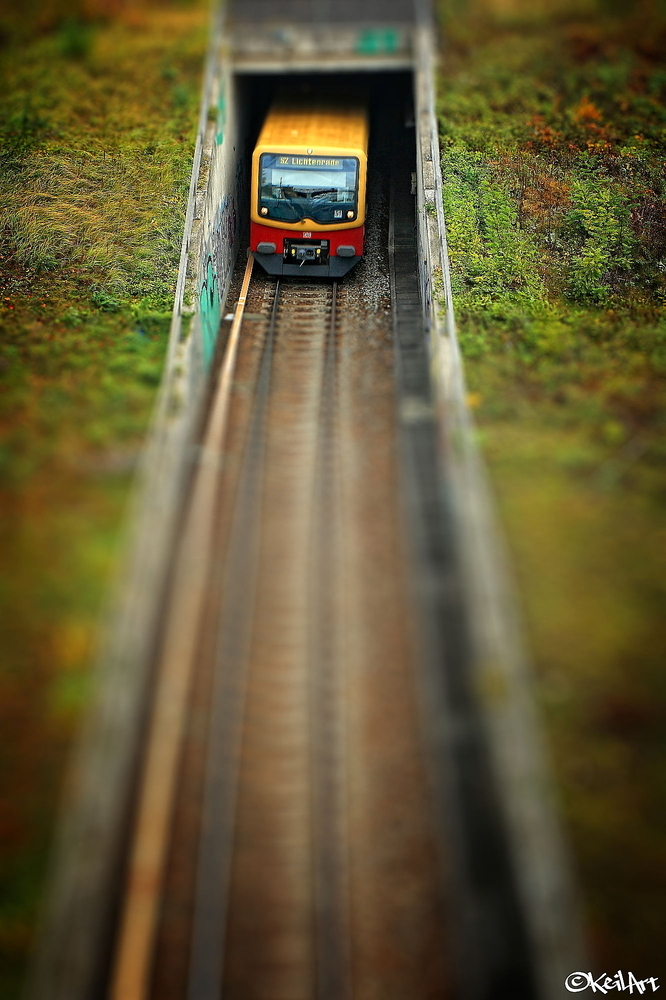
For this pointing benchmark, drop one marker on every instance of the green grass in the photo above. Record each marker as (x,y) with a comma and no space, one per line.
(554,132)
(98,122)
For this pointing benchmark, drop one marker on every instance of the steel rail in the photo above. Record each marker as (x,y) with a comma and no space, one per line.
(227,708)
(173,680)
(327,735)
(215,849)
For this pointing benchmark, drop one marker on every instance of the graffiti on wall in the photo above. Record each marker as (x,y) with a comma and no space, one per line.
(221,232)
(209,308)
(219,261)
(221,117)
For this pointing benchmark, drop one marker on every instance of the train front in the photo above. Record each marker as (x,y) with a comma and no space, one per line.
(308,191)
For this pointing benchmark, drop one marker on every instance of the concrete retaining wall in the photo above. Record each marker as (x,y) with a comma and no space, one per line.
(70,960)
(502,676)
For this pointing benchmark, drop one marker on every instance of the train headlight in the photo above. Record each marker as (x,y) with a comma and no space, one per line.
(350,215)
(264,211)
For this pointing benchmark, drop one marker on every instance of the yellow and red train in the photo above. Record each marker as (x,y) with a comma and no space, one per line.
(309,172)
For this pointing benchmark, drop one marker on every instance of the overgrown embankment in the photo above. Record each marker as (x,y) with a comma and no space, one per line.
(554,132)
(98,118)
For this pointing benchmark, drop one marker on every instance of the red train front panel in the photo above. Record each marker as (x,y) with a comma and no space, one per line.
(311,252)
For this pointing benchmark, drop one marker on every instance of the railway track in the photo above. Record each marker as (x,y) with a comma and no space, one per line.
(284,796)
(314,799)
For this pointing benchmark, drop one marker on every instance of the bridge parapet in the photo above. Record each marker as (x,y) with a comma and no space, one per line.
(314,35)
(303,12)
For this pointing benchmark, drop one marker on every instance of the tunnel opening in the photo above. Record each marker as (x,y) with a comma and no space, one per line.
(254,94)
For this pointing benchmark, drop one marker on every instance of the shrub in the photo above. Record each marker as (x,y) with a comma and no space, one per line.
(601,243)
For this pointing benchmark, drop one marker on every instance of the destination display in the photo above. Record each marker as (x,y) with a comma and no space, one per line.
(314,162)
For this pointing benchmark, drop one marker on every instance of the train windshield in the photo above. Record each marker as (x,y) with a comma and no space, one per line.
(299,187)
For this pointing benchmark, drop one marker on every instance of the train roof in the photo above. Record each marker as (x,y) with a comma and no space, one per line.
(319,124)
